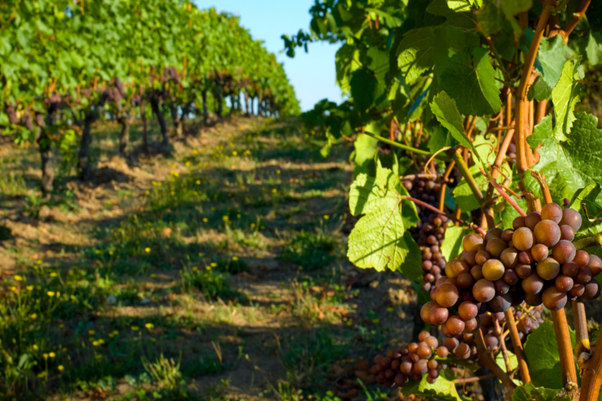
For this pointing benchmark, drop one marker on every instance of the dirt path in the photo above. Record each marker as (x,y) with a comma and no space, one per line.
(226,256)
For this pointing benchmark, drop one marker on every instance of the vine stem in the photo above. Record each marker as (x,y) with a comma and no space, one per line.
(565,350)
(405,147)
(573,22)
(474,379)
(442,213)
(518,347)
(448,172)
(591,376)
(581,336)
(486,360)
(589,241)
(501,191)
(503,346)
(472,184)
(521,106)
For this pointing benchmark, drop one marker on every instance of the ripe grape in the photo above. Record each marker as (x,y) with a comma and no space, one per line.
(442,352)
(571,218)
(592,291)
(463,351)
(567,233)
(581,258)
(532,284)
(472,242)
(464,281)
(564,283)
(493,233)
(511,277)
(523,271)
(533,299)
(432,342)
(470,325)
(532,219)
(400,379)
(501,287)
(526,257)
(577,290)
(476,272)
(424,351)
(447,295)
(594,265)
(509,257)
(423,335)
(584,276)
(549,268)
(495,247)
(438,315)
(433,364)
(564,251)
(570,269)
(455,325)
(468,310)
(539,252)
(493,270)
(481,257)
(553,298)
(500,303)
(483,290)
(518,222)
(451,344)
(523,239)
(552,211)
(507,235)
(421,367)
(547,232)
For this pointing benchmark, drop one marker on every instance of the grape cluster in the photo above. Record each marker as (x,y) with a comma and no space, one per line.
(9,109)
(414,361)
(430,229)
(535,262)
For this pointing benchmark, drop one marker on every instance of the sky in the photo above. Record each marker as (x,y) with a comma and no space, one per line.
(312,74)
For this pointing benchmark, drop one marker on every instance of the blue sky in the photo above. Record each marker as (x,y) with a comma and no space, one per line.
(312,74)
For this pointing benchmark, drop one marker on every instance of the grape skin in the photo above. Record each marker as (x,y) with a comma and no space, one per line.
(523,239)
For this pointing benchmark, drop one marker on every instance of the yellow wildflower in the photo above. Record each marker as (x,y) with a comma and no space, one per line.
(18,278)
(52,354)
(149,326)
(147,250)
(51,293)
(61,368)
(135,328)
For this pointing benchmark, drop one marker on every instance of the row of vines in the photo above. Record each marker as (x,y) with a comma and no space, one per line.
(478,173)
(68,64)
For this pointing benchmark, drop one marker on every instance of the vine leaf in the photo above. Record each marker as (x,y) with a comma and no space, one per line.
(415,54)
(541,352)
(490,17)
(571,164)
(550,63)
(452,243)
(443,388)
(470,79)
(591,196)
(529,392)
(565,98)
(444,108)
(379,239)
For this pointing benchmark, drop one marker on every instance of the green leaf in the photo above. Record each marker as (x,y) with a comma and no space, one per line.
(509,213)
(444,108)
(459,19)
(572,164)
(443,388)
(440,138)
(452,243)
(541,132)
(365,147)
(529,392)
(514,7)
(565,97)
(377,240)
(490,18)
(499,359)
(463,194)
(412,266)
(470,79)
(415,54)
(448,41)
(459,6)
(364,88)
(591,196)
(550,63)
(593,49)
(541,352)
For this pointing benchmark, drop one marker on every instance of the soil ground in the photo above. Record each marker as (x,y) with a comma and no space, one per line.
(211,270)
